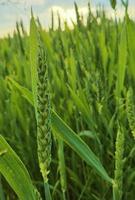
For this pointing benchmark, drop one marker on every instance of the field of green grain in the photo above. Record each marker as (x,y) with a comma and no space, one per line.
(67,110)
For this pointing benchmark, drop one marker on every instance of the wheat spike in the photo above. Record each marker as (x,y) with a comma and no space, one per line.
(43,115)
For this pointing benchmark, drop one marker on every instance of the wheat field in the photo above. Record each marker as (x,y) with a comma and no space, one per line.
(67,109)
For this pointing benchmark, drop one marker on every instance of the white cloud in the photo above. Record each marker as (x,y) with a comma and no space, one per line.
(67,14)
(120,12)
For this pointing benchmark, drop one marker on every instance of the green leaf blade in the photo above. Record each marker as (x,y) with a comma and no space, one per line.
(12,168)
(78,145)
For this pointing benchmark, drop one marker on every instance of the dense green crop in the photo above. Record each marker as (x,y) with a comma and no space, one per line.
(67,110)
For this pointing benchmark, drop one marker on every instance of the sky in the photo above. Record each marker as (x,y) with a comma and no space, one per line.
(15,10)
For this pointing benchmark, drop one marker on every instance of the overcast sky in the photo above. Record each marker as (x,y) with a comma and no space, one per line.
(12,12)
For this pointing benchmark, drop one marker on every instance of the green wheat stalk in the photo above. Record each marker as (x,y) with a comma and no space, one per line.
(130,109)
(118,175)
